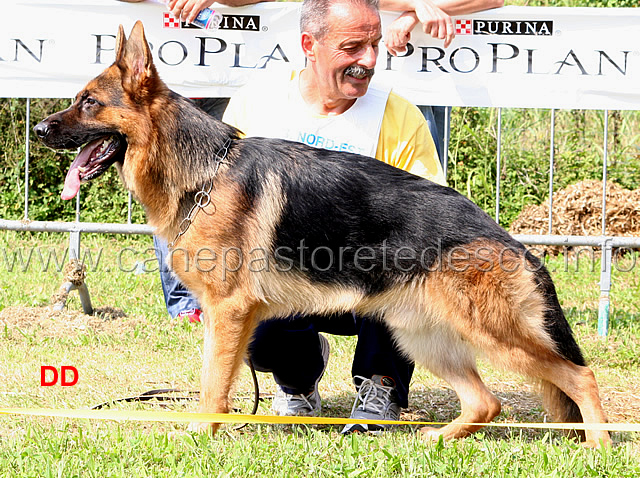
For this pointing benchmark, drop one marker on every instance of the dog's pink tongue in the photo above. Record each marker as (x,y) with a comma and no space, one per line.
(71,184)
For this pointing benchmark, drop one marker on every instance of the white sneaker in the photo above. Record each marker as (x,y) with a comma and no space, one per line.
(285,404)
(376,399)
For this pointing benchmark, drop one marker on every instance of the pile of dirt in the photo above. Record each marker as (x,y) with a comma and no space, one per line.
(50,323)
(577,211)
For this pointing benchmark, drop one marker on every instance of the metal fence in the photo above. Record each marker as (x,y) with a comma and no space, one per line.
(603,241)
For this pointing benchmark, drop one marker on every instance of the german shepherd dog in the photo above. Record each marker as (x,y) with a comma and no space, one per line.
(337,232)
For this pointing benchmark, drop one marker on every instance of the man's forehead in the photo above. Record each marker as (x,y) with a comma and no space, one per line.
(353,19)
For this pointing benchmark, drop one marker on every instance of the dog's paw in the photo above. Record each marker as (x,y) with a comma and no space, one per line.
(430,434)
(601,443)
(177,435)
(198,427)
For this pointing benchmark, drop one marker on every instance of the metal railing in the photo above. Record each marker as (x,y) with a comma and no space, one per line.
(604,242)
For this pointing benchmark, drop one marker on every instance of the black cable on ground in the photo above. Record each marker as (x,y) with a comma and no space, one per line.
(159,395)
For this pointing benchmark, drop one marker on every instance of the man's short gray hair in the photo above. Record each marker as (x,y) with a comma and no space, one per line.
(314,14)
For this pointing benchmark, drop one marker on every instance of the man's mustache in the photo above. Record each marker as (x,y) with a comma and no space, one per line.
(359,71)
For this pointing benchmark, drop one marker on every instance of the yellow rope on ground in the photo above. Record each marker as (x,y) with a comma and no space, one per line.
(186,417)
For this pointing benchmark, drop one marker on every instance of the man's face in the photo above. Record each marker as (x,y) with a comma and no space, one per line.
(346,56)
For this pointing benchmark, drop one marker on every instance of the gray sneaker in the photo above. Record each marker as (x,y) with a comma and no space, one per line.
(285,404)
(376,399)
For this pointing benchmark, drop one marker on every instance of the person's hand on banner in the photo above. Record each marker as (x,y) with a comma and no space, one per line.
(398,34)
(435,17)
(435,22)
(188,10)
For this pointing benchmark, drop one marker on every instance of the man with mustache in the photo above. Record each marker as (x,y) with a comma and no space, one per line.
(331,104)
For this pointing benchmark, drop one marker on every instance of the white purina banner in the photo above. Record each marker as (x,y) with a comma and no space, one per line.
(512,57)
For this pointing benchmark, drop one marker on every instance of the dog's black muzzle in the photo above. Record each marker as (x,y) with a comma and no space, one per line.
(49,131)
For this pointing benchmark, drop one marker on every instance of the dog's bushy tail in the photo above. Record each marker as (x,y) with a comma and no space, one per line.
(562,408)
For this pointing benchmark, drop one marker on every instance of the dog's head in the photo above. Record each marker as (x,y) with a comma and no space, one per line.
(106,113)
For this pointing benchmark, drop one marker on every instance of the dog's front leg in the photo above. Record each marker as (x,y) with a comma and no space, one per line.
(228,325)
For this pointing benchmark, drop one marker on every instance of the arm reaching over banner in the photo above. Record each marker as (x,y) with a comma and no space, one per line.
(189,9)
(435,21)
(434,17)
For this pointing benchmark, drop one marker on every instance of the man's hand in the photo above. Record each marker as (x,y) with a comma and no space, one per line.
(187,10)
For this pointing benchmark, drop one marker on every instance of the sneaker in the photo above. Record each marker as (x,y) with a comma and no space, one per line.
(288,405)
(376,399)
(193,315)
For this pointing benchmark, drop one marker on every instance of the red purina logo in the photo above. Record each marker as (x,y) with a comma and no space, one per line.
(464,27)
(49,375)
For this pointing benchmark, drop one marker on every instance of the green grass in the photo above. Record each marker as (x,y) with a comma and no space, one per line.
(120,357)
(63,451)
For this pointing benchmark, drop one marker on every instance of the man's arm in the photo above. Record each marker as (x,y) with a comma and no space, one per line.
(450,7)
(434,16)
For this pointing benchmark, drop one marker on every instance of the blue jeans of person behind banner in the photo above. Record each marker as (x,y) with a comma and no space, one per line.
(436,118)
(176,297)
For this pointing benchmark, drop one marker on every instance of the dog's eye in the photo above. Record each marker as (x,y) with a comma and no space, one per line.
(90,101)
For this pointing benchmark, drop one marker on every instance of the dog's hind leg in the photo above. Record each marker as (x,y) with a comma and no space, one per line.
(570,393)
(228,325)
(446,355)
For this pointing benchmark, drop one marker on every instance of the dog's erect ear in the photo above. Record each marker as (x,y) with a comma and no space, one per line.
(133,57)
(121,40)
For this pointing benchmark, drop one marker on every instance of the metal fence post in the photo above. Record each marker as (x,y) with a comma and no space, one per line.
(74,255)
(498,164)
(74,236)
(552,156)
(605,288)
(26,160)
(129,206)
(605,269)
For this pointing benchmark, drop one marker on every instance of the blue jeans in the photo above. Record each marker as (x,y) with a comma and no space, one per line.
(176,297)
(437,118)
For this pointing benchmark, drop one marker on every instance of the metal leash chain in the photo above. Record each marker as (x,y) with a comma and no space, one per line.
(203,197)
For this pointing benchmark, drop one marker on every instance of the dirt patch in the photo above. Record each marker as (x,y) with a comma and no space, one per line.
(50,323)
(577,211)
